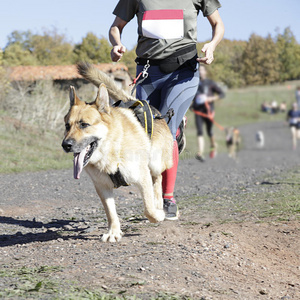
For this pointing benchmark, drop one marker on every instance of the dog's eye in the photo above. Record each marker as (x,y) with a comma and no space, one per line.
(67,126)
(84,125)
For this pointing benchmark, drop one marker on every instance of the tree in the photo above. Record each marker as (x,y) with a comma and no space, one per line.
(93,50)
(129,60)
(4,82)
(17,51)
(49,48)
(289,55)
(260,61)
(16,55)
(227,64)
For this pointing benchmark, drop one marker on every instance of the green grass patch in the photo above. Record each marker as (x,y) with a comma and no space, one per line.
(45,283)
(276,197)
(28,149)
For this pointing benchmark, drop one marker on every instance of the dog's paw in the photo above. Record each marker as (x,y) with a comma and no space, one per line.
(112,237)
(159,216)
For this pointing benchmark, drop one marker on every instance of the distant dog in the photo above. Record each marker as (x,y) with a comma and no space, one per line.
(260,139)
(114,148)
(233,141)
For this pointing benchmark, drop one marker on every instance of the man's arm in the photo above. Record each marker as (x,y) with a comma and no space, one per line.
(218,33)
(115,39)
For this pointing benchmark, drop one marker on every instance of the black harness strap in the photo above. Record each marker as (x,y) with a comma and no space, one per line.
(142,111)
(169,115)
(118,179)
(144,114)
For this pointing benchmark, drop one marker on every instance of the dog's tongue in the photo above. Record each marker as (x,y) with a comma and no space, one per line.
(78,163)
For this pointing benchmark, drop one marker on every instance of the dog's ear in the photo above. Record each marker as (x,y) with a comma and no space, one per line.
(102,99)
(74,100)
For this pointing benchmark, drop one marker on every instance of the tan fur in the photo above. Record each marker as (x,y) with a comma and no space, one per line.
(122,144)
(97,77)
(233,141)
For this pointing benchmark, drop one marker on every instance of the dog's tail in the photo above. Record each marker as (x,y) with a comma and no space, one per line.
(95,76)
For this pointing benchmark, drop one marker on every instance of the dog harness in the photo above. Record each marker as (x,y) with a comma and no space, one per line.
(145,115)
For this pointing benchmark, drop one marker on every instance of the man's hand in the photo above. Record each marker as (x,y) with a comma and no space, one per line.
(208,49)
(117,52)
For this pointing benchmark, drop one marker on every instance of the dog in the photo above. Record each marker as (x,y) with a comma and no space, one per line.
(233,141)
(109,143)
(260,139)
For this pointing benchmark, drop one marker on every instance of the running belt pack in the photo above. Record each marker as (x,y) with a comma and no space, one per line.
(186,56)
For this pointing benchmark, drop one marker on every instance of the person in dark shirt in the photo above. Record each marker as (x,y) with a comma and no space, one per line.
(203,106)
(293,118)
(167,61)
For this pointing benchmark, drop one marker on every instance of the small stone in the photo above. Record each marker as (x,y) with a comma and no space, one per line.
(263,292)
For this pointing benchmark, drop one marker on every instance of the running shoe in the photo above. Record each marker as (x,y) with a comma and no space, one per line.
(213,152)
(200,158)
(171,209)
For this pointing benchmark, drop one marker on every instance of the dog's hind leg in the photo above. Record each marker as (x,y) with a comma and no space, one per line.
(114,228)
(145,185)
(157,189)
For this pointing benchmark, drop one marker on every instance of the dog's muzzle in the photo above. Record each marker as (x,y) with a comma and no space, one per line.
(68,144)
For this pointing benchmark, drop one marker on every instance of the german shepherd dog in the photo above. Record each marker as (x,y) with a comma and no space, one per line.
(233,141)
(107,140)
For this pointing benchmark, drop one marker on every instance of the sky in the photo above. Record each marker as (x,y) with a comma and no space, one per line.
(75,18)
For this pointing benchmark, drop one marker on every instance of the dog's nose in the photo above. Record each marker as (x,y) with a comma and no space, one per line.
(67,144)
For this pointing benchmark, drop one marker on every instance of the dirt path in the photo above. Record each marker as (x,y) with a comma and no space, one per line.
(219,249)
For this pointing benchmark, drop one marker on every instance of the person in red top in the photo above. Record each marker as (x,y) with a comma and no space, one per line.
(167,58)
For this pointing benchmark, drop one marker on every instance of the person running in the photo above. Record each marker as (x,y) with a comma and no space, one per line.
(167,61)
(203,106)
(293,118)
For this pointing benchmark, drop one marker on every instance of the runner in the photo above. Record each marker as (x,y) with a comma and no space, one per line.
(203,105)
(293,117)
(167,59)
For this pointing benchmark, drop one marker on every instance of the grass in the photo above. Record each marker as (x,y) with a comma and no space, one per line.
(275,198)
(44,283)
(29,148)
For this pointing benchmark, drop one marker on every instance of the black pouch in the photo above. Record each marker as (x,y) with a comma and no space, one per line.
(184,57)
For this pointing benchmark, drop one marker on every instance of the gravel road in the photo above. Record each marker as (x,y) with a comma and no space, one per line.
(217,250)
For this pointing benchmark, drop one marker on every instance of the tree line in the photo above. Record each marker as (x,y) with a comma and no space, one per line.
(258,61)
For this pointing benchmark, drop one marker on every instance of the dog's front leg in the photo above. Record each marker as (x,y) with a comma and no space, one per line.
(153,214)
(114,228)
(157,189)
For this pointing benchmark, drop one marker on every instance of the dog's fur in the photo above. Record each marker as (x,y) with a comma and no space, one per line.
(233,141)
(107,139)
(260,139)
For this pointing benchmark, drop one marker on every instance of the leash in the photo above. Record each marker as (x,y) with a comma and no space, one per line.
(210,115)
(144,74)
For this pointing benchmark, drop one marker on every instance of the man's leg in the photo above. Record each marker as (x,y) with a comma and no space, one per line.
(213,146)
(200,138)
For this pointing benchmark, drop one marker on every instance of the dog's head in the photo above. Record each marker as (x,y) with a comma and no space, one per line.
(229,134)
(85,126)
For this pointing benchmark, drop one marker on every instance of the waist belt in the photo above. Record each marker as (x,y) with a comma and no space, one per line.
(172,62)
